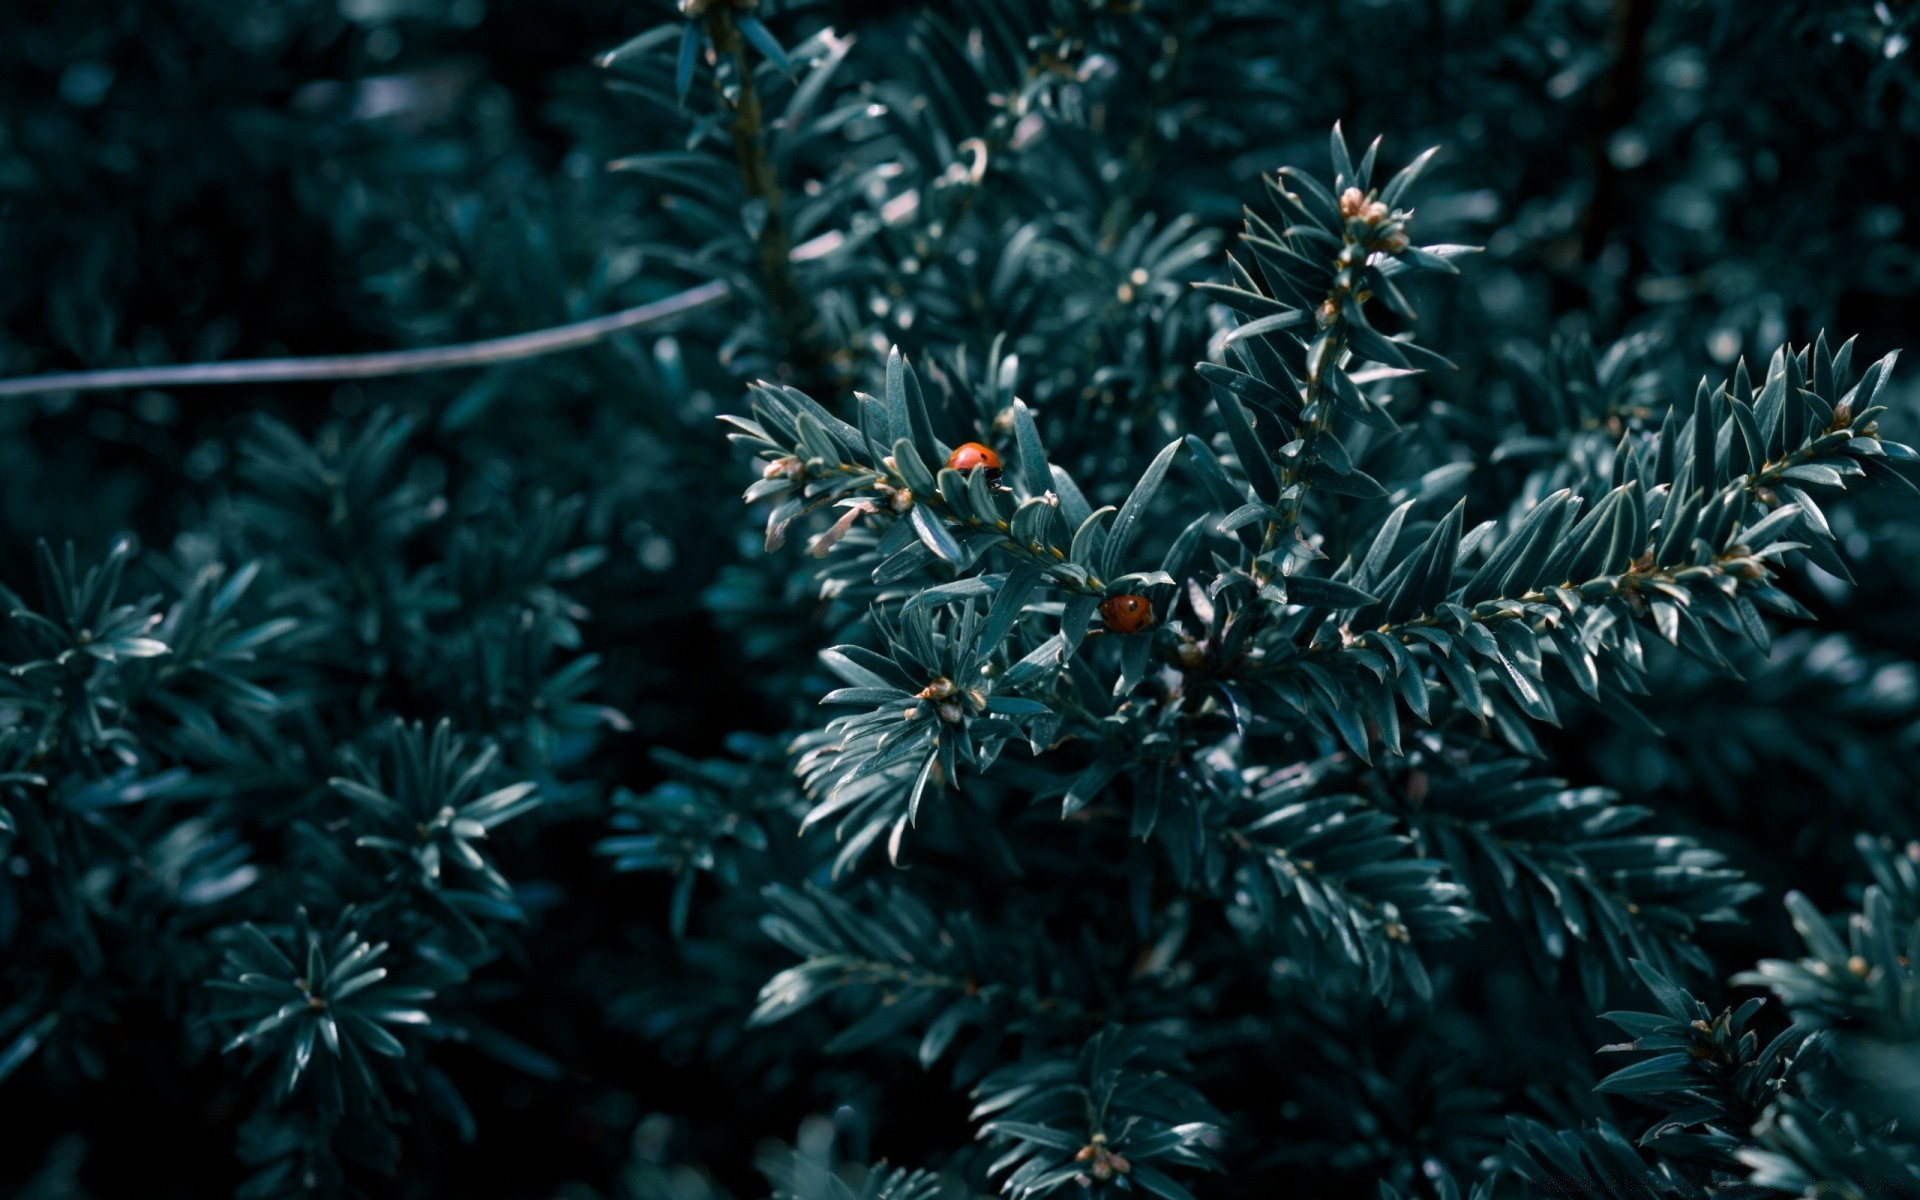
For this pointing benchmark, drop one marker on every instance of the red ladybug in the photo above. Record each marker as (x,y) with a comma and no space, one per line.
(1126,614)
(972,455)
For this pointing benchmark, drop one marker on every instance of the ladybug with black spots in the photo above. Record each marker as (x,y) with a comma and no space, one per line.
(972,454)
(1127,614)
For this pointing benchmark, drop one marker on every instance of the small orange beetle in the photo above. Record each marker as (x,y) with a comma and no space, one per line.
(972,455)
(1126,614)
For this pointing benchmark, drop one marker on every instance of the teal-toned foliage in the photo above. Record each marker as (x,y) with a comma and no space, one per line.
(1248,654)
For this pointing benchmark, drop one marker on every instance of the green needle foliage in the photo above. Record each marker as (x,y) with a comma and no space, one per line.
(1245,659)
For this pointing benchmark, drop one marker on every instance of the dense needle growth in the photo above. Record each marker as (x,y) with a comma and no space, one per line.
(1253,661)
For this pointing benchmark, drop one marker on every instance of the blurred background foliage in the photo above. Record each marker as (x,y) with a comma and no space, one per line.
(551,555)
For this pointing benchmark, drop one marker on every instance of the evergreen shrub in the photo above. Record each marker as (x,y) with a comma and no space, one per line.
(1252,660)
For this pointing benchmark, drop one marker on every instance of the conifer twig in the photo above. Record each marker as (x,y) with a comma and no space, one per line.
(511,348)
(556,339)
(748,132)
